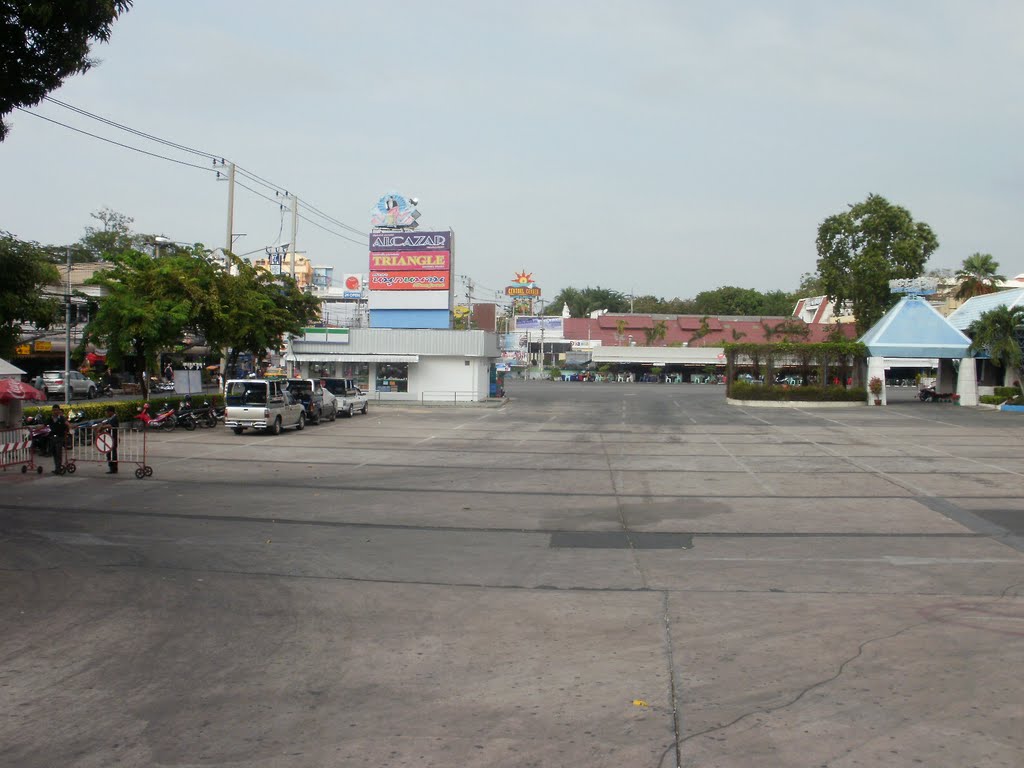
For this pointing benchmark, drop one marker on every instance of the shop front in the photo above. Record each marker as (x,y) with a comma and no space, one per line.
(422,365)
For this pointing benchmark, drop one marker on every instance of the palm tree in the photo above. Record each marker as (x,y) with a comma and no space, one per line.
(996,332)
(656,333)
(978,275)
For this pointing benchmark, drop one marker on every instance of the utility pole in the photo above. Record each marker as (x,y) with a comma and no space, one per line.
(295,231)
(469,303)
(67,333)
(229,243)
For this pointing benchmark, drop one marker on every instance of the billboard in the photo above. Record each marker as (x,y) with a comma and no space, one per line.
(436,280)
(552,324)
(352,286)
(410,261)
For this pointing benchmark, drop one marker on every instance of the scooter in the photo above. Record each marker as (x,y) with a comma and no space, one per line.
(39,434)
(164,419)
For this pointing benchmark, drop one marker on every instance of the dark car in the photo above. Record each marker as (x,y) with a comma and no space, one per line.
(320,403)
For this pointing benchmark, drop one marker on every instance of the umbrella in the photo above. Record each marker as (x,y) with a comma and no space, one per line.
(12,389)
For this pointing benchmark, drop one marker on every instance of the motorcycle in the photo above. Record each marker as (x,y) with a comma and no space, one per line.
(164,419)
(39,434)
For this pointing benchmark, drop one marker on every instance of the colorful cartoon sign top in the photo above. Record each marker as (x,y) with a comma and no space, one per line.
(523,285)
(393,211)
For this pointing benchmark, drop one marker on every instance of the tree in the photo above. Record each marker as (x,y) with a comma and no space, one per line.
(42,42)
(26,272)
(253,311)
(730,300)
(997,332)
(978,275)
(656,333)
(149,304)
(584,301)
(860,250)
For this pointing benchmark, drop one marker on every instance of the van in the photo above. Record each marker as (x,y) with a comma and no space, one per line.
(261,404)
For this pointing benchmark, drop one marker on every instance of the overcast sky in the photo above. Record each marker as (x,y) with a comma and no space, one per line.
(648,146)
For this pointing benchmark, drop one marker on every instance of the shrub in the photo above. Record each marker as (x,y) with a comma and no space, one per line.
(743,391)
(991,399)
(126,409)
(1006,392)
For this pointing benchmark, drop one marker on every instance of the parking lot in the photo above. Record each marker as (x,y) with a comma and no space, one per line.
(587,574)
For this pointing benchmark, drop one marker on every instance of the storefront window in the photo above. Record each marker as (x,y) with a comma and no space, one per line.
(393,377)
(321,371)
(359,372)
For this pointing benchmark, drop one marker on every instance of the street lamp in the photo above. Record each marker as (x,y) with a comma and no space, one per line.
(160,240)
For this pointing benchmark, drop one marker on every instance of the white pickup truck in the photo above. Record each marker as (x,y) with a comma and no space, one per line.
(261,404)
(350,397)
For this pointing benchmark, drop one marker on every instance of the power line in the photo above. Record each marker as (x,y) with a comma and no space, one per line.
(256,178)
(137,132)
(331,219)
(117,143)
(325,229)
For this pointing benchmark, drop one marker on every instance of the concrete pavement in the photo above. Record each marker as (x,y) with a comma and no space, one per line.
(589,575)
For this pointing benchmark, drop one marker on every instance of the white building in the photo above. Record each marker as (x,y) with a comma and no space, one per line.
(421,365)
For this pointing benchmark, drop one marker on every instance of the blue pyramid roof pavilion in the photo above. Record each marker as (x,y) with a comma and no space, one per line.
(914,328)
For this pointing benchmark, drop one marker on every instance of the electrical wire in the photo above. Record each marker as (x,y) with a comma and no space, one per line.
(117,143)
(336,234)
(343,225)
(137,132)
(279,190)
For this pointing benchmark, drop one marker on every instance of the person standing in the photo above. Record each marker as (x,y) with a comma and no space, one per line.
(58,424)
(110,425)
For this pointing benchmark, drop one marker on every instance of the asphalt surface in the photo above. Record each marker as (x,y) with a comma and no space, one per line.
(586,575)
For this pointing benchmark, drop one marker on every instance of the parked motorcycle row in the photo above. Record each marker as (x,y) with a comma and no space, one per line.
(167,419)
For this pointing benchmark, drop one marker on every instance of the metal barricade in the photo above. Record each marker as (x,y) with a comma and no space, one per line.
(16,450)
(102,445)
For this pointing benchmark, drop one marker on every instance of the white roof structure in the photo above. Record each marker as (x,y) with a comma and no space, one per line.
(9,371)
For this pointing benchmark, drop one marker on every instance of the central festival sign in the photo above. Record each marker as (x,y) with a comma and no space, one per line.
(523,285)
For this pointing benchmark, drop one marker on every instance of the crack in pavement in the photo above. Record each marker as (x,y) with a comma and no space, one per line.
(803,692)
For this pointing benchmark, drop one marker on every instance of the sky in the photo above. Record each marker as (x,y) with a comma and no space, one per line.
(649,146)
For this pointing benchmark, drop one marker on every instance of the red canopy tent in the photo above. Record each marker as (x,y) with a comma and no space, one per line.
(12,389)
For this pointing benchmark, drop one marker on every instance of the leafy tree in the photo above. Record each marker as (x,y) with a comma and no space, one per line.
(42,42)
(26,272)
(998,332)
(863,248)
(978,275)
(149,304)
(254,310)
(584,301)
(730,300)
(114,236)
(810,285)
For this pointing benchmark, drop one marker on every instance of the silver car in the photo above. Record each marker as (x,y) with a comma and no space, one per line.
(80,386)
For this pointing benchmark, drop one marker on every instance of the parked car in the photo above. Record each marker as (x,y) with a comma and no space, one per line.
(81,386)
(261,404)
(350,397)
(320,403)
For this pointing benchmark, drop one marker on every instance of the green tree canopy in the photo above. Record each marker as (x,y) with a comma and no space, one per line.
(42,42)
(730,300)
(586,300)
(26,272)
(149,303)
(978,275)
(863,248)
(998,333)
(254,310)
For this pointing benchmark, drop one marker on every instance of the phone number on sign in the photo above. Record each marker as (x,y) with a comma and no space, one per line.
(397,281)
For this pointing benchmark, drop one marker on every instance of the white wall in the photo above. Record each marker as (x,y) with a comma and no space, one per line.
(438,379)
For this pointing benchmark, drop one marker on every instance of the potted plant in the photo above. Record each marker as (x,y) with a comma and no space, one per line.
(875,386)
